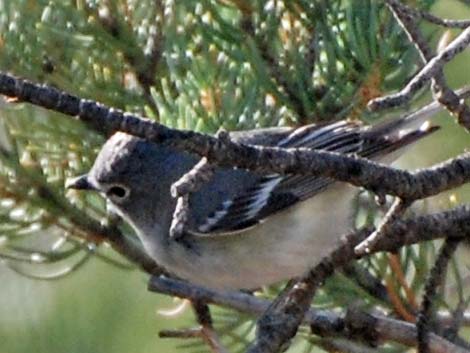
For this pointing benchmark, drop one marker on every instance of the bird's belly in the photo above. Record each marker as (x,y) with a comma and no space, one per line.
(280,248)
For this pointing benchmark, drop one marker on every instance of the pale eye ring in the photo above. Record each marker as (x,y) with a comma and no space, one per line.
(117,192)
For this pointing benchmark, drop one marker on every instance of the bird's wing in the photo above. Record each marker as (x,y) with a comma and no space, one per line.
(272,193)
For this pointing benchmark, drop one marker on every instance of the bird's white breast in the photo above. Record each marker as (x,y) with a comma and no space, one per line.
(285,245)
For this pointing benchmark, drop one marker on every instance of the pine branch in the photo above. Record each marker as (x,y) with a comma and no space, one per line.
(326,59)
(433,69)
(454,224)
(373,176)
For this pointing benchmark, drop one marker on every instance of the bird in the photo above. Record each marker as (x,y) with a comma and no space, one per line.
(244,230)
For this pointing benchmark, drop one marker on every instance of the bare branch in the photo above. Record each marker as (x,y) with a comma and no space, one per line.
(446,96)
(405,333)
(281,319)
(200,174)
(223,152)
(430,70)
(180,217)
(290,307)
(190,182)
(295,302)
(204,318)
(419,14)
(397,209)
(435,279)
(183,333)
(367,281)
(279,324)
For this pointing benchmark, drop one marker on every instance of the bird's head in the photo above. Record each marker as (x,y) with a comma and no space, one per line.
(135,176)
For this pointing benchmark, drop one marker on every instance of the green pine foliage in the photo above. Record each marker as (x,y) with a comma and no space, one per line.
(202,65)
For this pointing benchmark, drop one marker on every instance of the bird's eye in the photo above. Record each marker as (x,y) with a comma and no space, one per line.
(117,192)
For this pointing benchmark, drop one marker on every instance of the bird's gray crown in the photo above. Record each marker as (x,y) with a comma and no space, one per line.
(113,159)
(138,164)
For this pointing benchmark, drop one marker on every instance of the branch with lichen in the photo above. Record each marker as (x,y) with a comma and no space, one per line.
(433,68)
(308,60)
(380,179)
(454,224)
(221,151)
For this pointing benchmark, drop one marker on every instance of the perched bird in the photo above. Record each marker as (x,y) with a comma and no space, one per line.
(245,230)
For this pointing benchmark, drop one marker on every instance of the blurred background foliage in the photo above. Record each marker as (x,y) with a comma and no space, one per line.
(201,65)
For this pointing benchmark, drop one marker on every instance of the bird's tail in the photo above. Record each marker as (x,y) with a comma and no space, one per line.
(383,139)
(414,120)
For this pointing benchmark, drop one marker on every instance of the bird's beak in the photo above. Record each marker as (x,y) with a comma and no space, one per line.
(79,183)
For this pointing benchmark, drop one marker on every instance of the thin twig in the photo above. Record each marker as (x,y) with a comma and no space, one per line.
(225,153)
(280,322)
(425,75)
(200,174)
(204,318)
(397,269)
(388,327)
(194,332)
(396,210)
(435,279)
(397,303)
(441,91)
(367,281)
(420,14)
(180,218)
(458,320)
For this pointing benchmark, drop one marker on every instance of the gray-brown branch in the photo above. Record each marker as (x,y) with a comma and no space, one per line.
(358,171)
(453,224)
(361,172)
(430,70)
(408,18)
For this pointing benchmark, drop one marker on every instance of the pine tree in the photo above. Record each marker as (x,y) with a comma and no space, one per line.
(199,65)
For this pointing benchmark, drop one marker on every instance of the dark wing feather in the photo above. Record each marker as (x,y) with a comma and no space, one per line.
(342,137)
(272,193)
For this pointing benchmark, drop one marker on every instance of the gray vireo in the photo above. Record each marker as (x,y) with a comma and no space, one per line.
(245,230)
